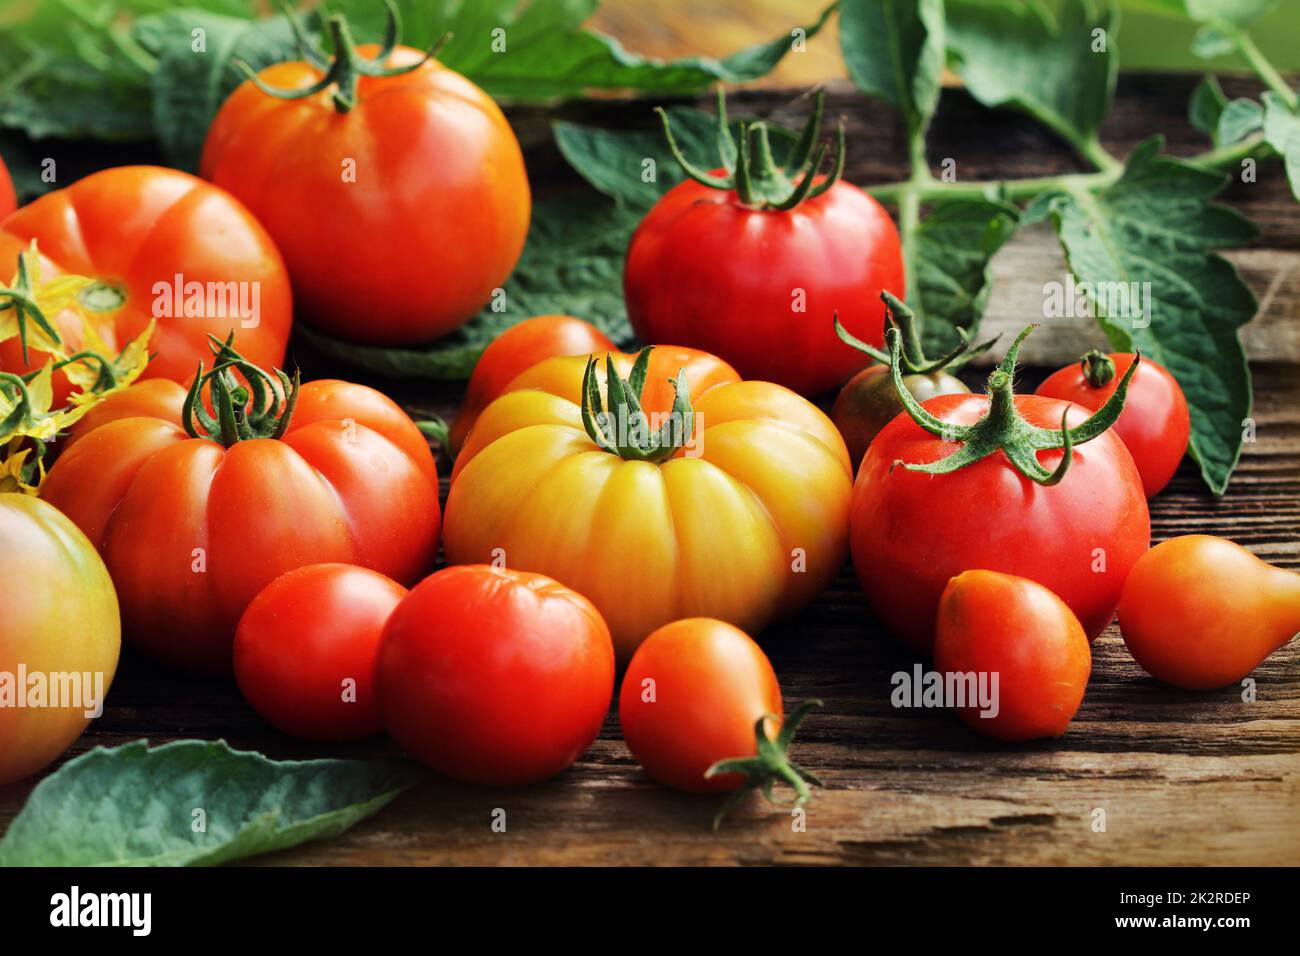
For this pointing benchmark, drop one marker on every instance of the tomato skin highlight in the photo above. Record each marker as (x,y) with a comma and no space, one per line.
(494,676)
(192,531)
(135,229)
(911,532)
(306,633)
(711,684)
(1155,424)
(514,352)
(1201,612)
(60,615)
(990,623)
(432,222)
(705,271)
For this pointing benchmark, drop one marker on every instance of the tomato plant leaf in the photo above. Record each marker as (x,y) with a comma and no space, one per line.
(1145,247)
(192,803)
(954,249)
(1282,131)
(894,52)
(1239,119)
(572,264)
(1015,55)
(1207,105)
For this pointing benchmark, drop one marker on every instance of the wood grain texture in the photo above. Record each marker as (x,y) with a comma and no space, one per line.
(1183,777)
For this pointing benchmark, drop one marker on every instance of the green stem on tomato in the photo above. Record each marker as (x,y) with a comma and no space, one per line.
(1259,63)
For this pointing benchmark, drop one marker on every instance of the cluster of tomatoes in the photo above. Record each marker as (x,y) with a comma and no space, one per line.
(607,510)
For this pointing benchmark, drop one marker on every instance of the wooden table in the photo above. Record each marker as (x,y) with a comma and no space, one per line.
(1183,778)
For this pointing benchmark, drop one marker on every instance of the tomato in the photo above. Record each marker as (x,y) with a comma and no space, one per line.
(1078,531)
(1155,425)
(495,676)
(516,350)
(400,201)
(192,528)
(736,509)
(60,618)
(1003,628)
(160,244)
(1202,612)
(8,199)
(306,650)
(737,275)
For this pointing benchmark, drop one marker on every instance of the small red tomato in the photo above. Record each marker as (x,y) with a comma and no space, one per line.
(1154,425)
(1202,612)
(306,647)
(495,676)
(1000,627)
(8,200)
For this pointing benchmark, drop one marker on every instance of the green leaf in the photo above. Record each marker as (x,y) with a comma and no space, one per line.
(1206,105)
(1237,13)
(1013,54)
(894,51)
(1156,225)
(190,85)
(1282,131)
(571,264)
(136,806)
(954,248)
(1239,119)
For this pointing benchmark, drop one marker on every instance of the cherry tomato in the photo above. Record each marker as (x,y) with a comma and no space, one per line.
(400,201)
(1202,612)
(8,199)
(1155,424)
(757,284)
(59,616)
(994,626)
(690,698)
(161,245)
(495,676)
(1077,534)
(516,350)
(306,649)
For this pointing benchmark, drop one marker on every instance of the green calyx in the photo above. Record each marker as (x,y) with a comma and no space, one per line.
(623,429)
(346,68)
(912,356)
(1098,368)
(751,170)
(1003,427)
(249,410)
(772,763)
(21,297)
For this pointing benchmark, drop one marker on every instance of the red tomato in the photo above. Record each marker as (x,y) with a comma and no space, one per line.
(758,285)
(514,352)
(1202,612)
(998,626)
(399,205)
(911,531)
(8,200)
(495,676)
(192,530)
(160,244)
(1155,423)
(306,647)
(690,698)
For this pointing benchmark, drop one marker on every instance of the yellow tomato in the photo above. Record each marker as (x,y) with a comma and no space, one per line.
(745,521)
(60,634)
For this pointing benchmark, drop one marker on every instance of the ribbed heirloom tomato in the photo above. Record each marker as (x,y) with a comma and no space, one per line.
(194,515)
(749,262)
(690,493)
(997,482)
(161,245)
(394,186)
(58,616)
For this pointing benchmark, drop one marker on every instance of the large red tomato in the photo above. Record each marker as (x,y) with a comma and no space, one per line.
(161,245)
(1155,424)
(396,190)
(191,528)
(1001,505)
(495,676)
(723,267)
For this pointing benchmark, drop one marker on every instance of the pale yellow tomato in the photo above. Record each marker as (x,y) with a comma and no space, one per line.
(746,521)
